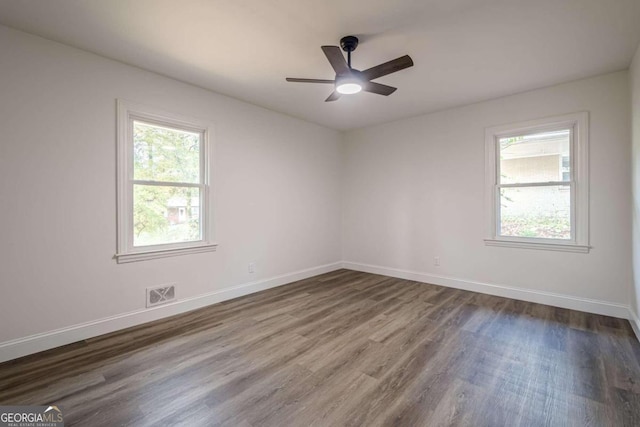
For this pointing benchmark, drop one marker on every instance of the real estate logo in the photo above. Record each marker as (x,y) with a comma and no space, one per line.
(31,416)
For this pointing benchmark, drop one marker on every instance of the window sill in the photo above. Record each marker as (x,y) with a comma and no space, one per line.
(164,253)
(540,246)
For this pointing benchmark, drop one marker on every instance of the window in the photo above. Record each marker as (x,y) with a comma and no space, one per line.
(163,185)
(565,168)
(537,185)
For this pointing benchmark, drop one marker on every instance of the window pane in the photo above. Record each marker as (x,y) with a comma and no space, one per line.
(541,157)
(165,215)
(162,154)
(542,212)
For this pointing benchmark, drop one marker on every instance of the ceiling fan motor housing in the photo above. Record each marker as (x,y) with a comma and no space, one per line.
(351,74)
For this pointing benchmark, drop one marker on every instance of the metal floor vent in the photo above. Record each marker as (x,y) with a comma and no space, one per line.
(161,295)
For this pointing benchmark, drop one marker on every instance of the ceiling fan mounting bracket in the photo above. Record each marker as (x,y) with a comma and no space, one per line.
(349,43)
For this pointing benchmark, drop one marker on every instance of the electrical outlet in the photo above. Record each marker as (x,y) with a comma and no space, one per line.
(436,261)
(252,267)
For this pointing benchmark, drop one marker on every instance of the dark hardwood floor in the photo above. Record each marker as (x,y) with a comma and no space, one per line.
(346,348)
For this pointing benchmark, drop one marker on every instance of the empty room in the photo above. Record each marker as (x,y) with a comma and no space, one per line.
(339,213)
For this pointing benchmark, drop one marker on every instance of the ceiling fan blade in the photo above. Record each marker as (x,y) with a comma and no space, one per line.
(388,67)
(293,79)
(378,88)
(336,59)
(333,97)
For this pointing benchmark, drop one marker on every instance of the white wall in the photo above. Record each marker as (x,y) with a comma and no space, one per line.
(277,182)
(634,78)
(404,192)
(414,190)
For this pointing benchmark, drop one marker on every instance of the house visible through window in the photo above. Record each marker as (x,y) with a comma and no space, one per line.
(565,168)
(537,183)
(532,200)
(163,185)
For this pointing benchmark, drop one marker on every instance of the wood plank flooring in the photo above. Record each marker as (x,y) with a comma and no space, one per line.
(346,348)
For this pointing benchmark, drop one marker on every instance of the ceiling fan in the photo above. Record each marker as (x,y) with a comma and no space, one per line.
(349,80)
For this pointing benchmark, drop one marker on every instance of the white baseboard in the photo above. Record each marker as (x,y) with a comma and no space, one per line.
(635,323)
(557,300)
(35,343)
(32,344)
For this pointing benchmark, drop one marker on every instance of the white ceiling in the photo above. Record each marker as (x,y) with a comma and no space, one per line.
(464,50)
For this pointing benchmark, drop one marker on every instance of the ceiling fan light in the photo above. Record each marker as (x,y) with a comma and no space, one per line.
(349,88)
(348,85)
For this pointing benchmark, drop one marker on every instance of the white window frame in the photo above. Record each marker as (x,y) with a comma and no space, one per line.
(579,183)
(127,112)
